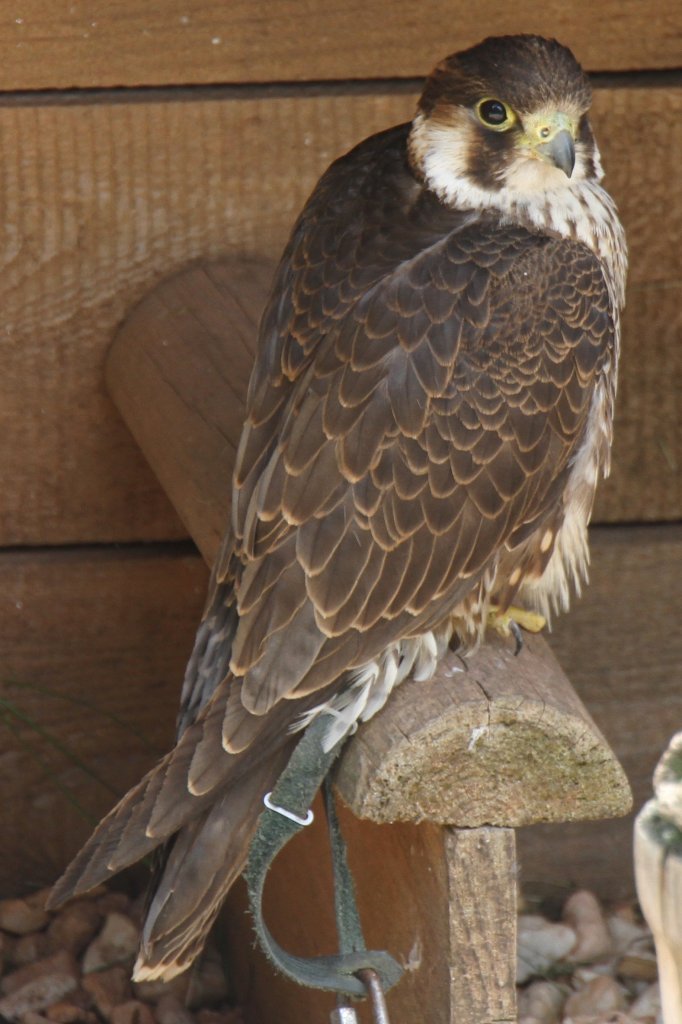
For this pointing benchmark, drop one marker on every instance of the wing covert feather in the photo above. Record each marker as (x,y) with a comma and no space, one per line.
(497,411)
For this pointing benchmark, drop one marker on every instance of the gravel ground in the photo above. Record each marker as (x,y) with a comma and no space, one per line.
(595,965)
(74,967)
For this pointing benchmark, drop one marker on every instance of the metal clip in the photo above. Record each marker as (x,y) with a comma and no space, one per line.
(344,1015)
(308,820)
(370,979)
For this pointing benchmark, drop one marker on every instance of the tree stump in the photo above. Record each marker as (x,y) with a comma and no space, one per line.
(486,746)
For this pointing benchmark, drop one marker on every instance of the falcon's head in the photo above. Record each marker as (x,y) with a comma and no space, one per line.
(504,121)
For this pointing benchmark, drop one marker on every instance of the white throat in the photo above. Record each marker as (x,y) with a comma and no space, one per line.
(535,194)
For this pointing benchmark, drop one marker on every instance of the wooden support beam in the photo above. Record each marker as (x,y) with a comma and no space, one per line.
(500,741)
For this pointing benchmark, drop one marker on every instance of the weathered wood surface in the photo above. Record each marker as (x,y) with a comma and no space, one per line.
(94,644)
(101,199)
(484,904)
(58,44)
(505,742)
(187,421)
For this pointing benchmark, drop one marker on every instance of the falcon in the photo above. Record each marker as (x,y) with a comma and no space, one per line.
(428,415)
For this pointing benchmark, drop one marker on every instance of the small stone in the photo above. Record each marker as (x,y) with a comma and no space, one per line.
(541,1003)
(75,927)
(208,985)
(73,1011)
(152,991)
(625,909)
(627,936)
(7,944)
(116,943)
(541,944)
(79,998)
(39,898)
(642,967)
(588,972)
(92,894)
(647,1006)
(169,1010)
(59,963)
(583,913)
(37,994)
(608,1017)
(33,1018)
(219,1016)
(138,909)
(114,902)
(132,1012)
(29,948)
(19,917)
(602,995)
(108,988)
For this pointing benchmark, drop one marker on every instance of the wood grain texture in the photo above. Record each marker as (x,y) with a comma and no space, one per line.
(61,44)
(178,372)
(483,908)
(505,742)
(102,199)
(94,645)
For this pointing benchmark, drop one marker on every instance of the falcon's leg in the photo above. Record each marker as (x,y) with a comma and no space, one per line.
(513,620)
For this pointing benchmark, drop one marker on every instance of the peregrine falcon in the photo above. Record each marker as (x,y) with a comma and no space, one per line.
(428,415)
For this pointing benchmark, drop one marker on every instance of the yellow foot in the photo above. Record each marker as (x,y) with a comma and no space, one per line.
(513,620)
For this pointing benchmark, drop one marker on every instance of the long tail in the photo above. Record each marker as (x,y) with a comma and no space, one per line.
(203,860)
(198,807)
(199,862)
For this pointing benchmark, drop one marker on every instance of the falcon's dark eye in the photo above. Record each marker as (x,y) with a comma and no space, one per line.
(495,114)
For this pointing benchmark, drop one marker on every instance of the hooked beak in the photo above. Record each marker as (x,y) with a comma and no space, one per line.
(549,136)
(559,151)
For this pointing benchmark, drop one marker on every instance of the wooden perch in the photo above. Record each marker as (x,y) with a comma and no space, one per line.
(501,742)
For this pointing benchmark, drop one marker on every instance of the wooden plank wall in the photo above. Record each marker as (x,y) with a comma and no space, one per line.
(61,44)
(135,137)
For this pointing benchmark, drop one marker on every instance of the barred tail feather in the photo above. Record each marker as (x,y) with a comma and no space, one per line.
(203,861)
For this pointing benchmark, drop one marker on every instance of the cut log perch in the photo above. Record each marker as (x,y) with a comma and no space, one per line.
(499,742)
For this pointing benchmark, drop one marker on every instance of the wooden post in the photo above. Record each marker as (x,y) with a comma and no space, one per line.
(498,742)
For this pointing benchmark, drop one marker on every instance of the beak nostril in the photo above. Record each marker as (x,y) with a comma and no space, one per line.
(559,150)
(544,132)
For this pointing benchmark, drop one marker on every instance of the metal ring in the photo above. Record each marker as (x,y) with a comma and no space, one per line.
(287,814)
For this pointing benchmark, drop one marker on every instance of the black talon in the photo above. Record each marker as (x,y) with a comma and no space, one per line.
(453,645)
(518,636)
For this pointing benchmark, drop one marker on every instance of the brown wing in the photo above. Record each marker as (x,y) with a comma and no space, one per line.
(433,420)
(423,382)
(382,468)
